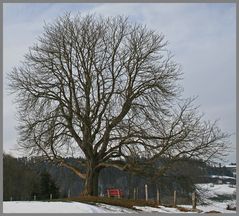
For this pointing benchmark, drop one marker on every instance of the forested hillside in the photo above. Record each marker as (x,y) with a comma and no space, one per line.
(25,178)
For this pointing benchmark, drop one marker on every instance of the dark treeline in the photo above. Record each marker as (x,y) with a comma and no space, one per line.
(22,182)
(24,178)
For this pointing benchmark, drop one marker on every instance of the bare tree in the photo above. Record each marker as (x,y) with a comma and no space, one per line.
(103,89)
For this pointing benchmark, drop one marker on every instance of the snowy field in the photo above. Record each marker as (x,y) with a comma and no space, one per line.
(50,207)
(214,190)
(77,207)
(215,206)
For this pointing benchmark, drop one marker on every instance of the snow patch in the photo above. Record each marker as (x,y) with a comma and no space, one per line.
(115,209)
(161,209)
(214,206)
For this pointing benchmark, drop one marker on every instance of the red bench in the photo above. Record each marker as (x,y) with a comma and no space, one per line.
(114,192)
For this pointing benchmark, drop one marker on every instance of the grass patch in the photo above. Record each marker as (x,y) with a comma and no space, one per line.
(213,212)
(127,203)
(183,209)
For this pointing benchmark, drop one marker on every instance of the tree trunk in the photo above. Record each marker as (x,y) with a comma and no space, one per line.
(91,182)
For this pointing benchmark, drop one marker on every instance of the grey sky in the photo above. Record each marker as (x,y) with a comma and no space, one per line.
(202,38)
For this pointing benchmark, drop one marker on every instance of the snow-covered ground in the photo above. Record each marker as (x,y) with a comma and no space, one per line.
(161,209)
(216,206)
(213,190)
(50,207)
(115,209)
(77,207)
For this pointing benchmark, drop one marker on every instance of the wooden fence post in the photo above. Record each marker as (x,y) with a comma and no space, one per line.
(158,202)
(69,193)
(175,198)
(194,200)
(134,193)
(108,192)
(146,192)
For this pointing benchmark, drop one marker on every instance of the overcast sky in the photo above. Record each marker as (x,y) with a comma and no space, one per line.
(202,38)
